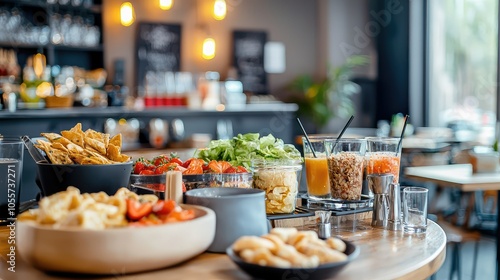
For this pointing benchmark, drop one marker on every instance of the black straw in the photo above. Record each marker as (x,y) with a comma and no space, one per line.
(345,127)
(342,131)
(403,132)
(307,137)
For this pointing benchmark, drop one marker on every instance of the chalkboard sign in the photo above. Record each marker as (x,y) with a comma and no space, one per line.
(248,59)
(158,48)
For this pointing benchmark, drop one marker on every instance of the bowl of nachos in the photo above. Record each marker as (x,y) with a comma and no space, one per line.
(88,160)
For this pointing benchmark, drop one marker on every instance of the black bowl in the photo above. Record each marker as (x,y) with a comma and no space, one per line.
(323,271)
(53,178)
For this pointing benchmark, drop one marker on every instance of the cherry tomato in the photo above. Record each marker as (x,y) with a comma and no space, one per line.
(139,166)
(159,160)
(176,160)
(147,172)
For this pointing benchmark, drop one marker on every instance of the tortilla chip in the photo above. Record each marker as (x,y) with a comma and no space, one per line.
(56,156)
(96,144)
(114,154)
(82,159)
(56,138)
(99,136)
(77,128)
(74,137)
(98,157)
(116,140)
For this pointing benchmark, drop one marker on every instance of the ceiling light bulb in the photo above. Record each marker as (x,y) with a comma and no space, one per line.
(127,15)
(166,4)
(208,48)
(220,9)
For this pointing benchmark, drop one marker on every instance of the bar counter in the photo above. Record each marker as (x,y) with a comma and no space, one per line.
(383,255)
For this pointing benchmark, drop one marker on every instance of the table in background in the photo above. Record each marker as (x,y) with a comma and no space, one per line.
(459,176)
(383,255)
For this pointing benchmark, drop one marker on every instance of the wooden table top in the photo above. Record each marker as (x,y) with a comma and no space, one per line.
(383,255)
(455,175)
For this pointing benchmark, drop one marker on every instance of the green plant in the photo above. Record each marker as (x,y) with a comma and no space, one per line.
(330,98)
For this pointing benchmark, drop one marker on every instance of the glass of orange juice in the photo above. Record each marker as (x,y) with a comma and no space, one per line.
(383,155)
(318,184)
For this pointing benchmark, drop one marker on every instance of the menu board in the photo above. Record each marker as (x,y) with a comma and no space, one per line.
(158,48)
(248,59)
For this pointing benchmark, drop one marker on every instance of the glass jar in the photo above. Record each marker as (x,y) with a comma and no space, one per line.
(280,180)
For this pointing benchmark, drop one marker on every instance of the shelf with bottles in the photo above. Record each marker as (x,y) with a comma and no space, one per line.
(53,28)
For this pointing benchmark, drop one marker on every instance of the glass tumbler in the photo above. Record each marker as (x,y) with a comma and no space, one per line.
(318,183)
(346,166)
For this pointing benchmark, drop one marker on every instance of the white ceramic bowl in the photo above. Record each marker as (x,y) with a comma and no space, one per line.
(118,250)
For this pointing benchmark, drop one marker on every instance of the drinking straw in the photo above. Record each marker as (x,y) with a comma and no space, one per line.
(345,127)
(402,133)
(307,137)
(342,131)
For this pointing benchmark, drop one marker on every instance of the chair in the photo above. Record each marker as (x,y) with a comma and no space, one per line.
(455,237)
(485,214)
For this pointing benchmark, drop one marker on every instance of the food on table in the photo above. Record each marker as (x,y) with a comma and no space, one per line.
(346,175)
(193,166)
(288,247)
(195,171)
(243,148)
(97,211)
(76,146)
(383,162)
(281,184)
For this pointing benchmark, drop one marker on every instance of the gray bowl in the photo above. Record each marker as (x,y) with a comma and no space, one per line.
(52,178)
(238,211)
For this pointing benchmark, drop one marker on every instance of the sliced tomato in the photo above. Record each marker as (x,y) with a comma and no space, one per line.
(231,169)
(195,167)
(164,207)
(242,169)
(137,210)
(178,216)
(218,166)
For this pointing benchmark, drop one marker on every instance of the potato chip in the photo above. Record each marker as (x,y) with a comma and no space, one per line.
(279,190)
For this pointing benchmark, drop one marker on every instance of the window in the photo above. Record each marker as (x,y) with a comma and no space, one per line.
(462,66)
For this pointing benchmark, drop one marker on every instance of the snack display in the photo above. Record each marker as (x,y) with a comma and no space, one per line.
(75,146)
(346,175)
(280,181)
(290,248)
(97,211)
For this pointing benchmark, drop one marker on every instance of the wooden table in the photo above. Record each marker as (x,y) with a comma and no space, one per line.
(459,176)
(383,255)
